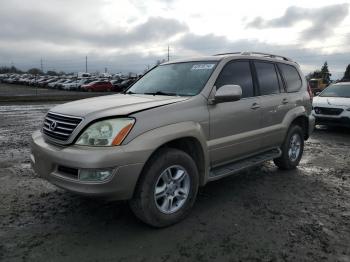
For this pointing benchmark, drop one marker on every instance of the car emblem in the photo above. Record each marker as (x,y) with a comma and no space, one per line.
(53,125)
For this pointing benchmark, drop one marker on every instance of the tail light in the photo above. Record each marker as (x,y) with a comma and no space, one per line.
(310,92)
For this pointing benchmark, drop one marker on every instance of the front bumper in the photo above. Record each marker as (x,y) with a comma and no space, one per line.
(333,121)
(342,119)
(47,161)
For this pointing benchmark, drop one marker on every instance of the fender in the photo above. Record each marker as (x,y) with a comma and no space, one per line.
(153,139)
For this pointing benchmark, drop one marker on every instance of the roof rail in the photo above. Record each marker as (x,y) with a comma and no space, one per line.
(257,54)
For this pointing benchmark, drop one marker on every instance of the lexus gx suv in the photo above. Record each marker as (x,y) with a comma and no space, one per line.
(183,124)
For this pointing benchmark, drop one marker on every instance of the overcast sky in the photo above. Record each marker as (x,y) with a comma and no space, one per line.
(128,35)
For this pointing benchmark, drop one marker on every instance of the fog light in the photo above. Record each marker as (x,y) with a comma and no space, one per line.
(94,175)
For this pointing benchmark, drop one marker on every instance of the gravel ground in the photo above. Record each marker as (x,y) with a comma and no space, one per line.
(261,215)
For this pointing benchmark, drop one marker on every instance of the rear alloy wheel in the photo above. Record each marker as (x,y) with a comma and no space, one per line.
(292,149)
(167,188)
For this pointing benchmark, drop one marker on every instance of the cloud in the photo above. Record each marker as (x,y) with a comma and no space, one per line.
(309,59)
(129,35)
(211,44)
(323,20)
(46,27)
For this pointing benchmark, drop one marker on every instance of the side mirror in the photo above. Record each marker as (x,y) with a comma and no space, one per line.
(228,93)
(317,93)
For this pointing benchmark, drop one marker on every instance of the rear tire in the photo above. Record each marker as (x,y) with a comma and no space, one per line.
(167,188)
(292,149)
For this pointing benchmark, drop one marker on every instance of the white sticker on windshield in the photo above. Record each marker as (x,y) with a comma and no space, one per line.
(203,67)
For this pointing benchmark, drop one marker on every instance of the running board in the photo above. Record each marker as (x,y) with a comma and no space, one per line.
(235,167)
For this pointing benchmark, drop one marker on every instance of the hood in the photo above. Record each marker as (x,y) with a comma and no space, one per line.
(120,104)
(332,101)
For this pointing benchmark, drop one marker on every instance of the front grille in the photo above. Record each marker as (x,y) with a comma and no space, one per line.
(328,111)
(59,126)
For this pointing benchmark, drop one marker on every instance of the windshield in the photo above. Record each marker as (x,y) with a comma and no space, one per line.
(342,90)
(181,79)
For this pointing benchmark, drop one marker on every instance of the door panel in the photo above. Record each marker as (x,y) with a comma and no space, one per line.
(274,103)
(235,126)
(234,129)
(274,108)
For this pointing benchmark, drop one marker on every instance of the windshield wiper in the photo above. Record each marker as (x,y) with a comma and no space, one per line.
(129,93)
(160,93)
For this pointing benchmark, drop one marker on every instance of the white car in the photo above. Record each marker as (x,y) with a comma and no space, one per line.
(75,84)
(53,84)
(332,105)
(70,85)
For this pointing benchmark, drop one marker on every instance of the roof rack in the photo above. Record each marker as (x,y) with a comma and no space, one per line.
(257,54)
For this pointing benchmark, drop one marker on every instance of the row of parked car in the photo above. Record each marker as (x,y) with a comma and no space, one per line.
(89,84)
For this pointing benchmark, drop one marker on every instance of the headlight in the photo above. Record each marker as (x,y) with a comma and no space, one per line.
(109,132)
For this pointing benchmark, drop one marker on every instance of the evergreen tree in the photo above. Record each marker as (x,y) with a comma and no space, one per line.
(325,73)
(347,73)
(12,69)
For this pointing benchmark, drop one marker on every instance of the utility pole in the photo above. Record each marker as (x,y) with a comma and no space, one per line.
(41,65)
(168,53)
(85,64)
(105,69)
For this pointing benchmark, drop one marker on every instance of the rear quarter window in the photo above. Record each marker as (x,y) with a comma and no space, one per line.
(291,77)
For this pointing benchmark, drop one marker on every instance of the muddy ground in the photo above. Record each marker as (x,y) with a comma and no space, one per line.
(262,215)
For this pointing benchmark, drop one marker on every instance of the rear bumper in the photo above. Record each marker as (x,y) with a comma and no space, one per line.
(47,161)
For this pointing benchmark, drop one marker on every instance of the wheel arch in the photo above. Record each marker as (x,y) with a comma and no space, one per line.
(303,122)
(186,136)
(297,116)
(193,148)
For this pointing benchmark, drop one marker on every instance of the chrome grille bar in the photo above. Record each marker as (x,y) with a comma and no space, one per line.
(60,127)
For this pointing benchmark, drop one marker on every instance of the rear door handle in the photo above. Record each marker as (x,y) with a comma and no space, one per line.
(285,101)
(255,106)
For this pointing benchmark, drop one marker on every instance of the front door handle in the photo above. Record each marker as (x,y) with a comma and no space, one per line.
(255,106)
(285,101)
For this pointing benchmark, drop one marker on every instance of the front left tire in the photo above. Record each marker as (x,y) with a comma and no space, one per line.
(167,188)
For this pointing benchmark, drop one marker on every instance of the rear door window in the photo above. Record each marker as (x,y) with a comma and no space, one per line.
(291,77)
(267,78)
(237,73)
